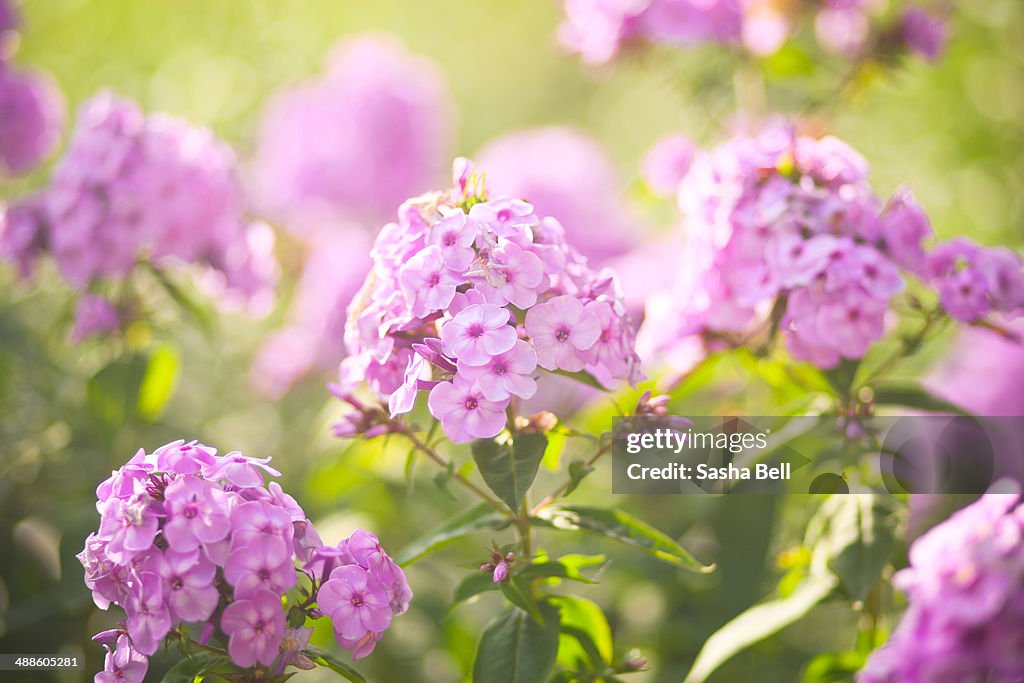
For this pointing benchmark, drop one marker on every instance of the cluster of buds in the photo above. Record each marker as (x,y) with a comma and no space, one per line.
(499,565)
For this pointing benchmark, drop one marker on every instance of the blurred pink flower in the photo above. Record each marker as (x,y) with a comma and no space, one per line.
(310,340)
(353,143)
(926,34)
(983,372)
(31,117)
(667,162)
(766,26)
(8,17)
(565,173)
(135,188)
(597,29)
(94,315)
(842,29)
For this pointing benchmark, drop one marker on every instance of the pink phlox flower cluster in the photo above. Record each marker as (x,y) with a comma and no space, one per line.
(785,228)
(362,590)
(598,29)
(187,536)
(965,615)
(133,188)
(468,298)
(974,281)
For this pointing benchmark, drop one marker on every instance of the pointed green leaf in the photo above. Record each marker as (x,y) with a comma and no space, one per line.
(854,539)
(583,377)
(577,471)
(329,660)
(516,649)
(589,635)
(483,517)
(622,527)
(473,585)
(841,377)
(509,470)
(112,394)
(913,395)
(199,311)
(521,598)
(567,567)
(192,669)
(757,623)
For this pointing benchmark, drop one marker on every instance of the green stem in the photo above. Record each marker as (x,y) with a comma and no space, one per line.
(194,643)
(554,495)
(909,345)
(422,447)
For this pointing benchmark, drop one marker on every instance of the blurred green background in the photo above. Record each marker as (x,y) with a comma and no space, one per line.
(955,131)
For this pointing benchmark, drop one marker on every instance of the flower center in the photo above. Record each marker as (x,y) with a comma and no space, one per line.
(476,330)
(434,280)
(471,403)
(499,368)
(504,215)
(449,239)
(177,584)
(562,333)
(264,575)
(190,511)
(259,626)
(357,600)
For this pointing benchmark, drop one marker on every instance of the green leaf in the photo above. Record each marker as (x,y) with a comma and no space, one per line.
(622,527)
(516,649)
(588,634)
(841,377)
(757,623)
(483,517)
(833,667)
(510,470)
(913,395)
(583,377)
(327,659)
(512,590)
(192,669)
(577,471)
(199,311)
(112,393)
(852,537)
(473,585)
(158,383)
(567,567)
(296,617)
